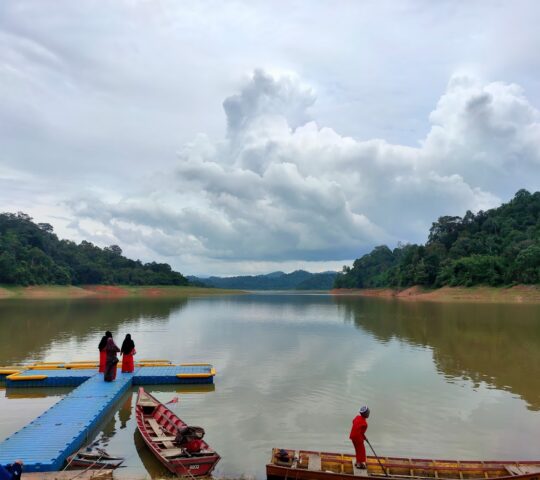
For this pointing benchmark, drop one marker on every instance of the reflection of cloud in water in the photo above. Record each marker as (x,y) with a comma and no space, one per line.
(362,365)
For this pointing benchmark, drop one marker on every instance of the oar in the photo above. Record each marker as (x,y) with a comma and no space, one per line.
(376,456)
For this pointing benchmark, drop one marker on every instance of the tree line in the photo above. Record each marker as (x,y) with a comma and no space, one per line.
(496,247)
(31,254)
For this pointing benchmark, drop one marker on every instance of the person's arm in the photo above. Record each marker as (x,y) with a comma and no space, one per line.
(363,429)
(354,430)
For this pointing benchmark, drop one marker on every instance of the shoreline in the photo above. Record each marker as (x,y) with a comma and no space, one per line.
(516,294)
(480,294)
(68,292)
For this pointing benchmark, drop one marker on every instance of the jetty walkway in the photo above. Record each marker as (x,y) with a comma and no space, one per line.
(46,442)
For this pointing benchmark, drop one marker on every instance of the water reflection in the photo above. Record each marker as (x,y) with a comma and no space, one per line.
(125,412)
(18,393)
(30,329)
(442,379)
(497,344)
(151,464)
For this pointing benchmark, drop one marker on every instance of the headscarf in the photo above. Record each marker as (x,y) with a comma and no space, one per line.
(103,341)
(111,346)
(127,345)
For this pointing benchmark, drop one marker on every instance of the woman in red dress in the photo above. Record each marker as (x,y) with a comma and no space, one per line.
(102,352)
(112,360)
(127,351)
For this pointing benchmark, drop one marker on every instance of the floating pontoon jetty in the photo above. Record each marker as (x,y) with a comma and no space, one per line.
(46,442)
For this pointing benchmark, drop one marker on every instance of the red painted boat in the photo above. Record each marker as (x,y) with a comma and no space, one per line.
(160,429)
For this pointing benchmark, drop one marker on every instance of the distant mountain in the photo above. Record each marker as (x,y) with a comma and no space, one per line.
(297,280)
(274,274)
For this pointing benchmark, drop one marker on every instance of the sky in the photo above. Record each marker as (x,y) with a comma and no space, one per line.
(229,138)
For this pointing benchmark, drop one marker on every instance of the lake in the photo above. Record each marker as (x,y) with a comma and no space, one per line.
(442,380)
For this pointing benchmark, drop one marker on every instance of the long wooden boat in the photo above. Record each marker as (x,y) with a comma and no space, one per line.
(158,426)
(310,465)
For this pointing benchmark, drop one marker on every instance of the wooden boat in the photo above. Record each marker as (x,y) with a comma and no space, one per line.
(70,475)
(159,426)
(96,459)
(304,465)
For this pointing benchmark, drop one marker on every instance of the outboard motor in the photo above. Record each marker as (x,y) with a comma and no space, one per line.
(190,438)
(283,458)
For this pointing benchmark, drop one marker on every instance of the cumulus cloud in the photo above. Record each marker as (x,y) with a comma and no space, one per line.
(346,138)
(265,96)
(280,188)
(484,132)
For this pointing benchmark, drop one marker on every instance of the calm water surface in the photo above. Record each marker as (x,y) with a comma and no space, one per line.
(442,380)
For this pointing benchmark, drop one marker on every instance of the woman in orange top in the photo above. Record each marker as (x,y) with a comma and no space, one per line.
(358,435)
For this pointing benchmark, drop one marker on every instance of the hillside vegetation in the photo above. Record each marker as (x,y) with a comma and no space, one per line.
(496,247)
(31,254)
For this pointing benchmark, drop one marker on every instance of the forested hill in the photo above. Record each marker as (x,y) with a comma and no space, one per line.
(496,247)
(31,254)
(297,280)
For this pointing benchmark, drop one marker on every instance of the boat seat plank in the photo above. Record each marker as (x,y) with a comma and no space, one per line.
(359,472)
(158,431)
(296,457)
(522,469)
(530,468)
(202,454)
(172,452)
(513,469)
(314,462)
(154,426)
(163,438)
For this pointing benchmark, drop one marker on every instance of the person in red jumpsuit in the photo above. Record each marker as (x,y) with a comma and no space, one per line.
(358,435)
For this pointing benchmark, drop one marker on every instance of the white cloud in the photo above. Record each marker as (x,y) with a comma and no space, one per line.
(271,192)
(339,139)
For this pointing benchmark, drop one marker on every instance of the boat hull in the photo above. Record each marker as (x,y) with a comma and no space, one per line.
(310,465)
(192,466)
(91,460)
(75,464)
(158,426)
